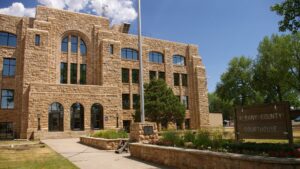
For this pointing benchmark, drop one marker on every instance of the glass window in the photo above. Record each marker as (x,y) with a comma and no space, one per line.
(63,73)
(37,40)
(8,39)
(77,117)
(162,75)
(7,99)
(111,49)
(184,79)
(178,60)
(74,44)
(156,57)
(9,67)
(126,101)
(135,76)
(73,73)
(136,101)
(129,54)
(125,75)
(176,79)
(82,48)
(64,44)
(56,117)
(185,101)
(152,75)
(97,117)
(6,130)
(187,123)
(82,73)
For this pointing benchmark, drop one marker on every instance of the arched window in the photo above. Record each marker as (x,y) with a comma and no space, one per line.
(8,39)
(77,117)
(130,54)
(97,117)
(74,45)
(156,57)
(56,117)
(179,60)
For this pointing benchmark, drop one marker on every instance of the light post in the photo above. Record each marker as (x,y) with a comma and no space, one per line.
(141,63)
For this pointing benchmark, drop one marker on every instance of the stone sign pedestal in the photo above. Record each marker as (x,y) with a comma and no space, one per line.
(144,132)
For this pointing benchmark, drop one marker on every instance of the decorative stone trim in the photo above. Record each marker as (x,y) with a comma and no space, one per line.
(101,143)
(199,159)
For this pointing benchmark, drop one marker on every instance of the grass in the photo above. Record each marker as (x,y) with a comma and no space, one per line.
(110,134)
(41,157)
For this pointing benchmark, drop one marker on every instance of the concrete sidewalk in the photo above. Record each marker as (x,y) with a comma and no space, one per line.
(90,158)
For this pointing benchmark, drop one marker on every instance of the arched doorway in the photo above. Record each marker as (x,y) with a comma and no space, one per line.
(56,117)
(97,117)
(77,117)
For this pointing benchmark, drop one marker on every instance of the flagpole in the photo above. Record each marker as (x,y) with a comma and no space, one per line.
(141,63)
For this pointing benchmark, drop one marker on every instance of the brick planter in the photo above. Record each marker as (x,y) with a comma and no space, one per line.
(199,159)
(101,143)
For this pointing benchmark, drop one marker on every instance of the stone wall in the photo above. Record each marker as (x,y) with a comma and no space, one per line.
(137,133)
(100,143)
(198,159)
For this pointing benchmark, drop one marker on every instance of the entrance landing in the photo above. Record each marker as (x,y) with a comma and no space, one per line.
(86,157)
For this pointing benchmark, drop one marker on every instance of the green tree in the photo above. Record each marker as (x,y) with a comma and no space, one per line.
(161,105)
(218,105)
(290,10)
(236,83)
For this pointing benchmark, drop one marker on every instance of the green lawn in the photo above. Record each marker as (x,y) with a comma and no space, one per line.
(33,158)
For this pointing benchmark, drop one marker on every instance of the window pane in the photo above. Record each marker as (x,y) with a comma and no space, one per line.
(82,48)
(136,101)
(184,80)
(83,74)
(125,101)
(64,45)
(74,44)
(162,75)
(125,75)
(7,99)
(111,49)
(185,101)
(12,40)
(63,73)
(130,54)
(9,67)
(135,76)
(176,79)
(156,57)
(152,75)
(73,73)
(178,60)
(3,39)
(37,40)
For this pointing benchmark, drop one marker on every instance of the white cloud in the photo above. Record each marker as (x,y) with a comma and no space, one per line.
(18,9)
(117,10)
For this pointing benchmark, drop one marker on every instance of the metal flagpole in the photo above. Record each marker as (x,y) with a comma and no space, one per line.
(141,63)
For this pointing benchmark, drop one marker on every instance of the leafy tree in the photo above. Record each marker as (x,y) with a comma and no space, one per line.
(218,105)
(161,105)
(236,83)
(290,10)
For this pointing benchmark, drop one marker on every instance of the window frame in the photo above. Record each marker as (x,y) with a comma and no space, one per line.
(151,75)
(184,80)
(65,66)
(10,67)
(83,71)
(73,72)
(135,76)
(8,96)
(156,57)
(125,103)
(37,40)
(175,79)
(178,59)
(125,54)
(7,37)
(125,72)
(65,41)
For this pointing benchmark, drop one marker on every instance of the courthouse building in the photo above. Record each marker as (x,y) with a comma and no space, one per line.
(66,74)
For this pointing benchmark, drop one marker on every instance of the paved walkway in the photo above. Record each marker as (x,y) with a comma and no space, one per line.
(90,158)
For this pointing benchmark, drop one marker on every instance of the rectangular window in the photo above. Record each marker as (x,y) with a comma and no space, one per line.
(82,73)
(184,79)
(6,130)
(111,49)
(162,75)
(7,99)
(63,73)
(37,40)
(126,101)
(74,44)
(64,45)
(152,75)
(73,73)
(136,101)
(9,67)
(125,75)
(187,124)
(135,75)
(185,102)
(176,79)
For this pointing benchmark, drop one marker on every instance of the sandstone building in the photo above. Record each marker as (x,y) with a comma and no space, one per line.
(65,74)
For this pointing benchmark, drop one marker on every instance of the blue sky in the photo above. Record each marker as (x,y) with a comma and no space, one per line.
(221,29)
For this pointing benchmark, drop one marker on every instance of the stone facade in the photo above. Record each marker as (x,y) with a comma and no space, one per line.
(37,84)
(101,143)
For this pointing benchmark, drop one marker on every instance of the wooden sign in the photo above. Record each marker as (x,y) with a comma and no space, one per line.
(271,121)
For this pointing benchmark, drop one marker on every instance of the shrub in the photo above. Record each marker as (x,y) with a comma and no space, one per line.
(202,140)
(110,134)
(189,136)
(171,138)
